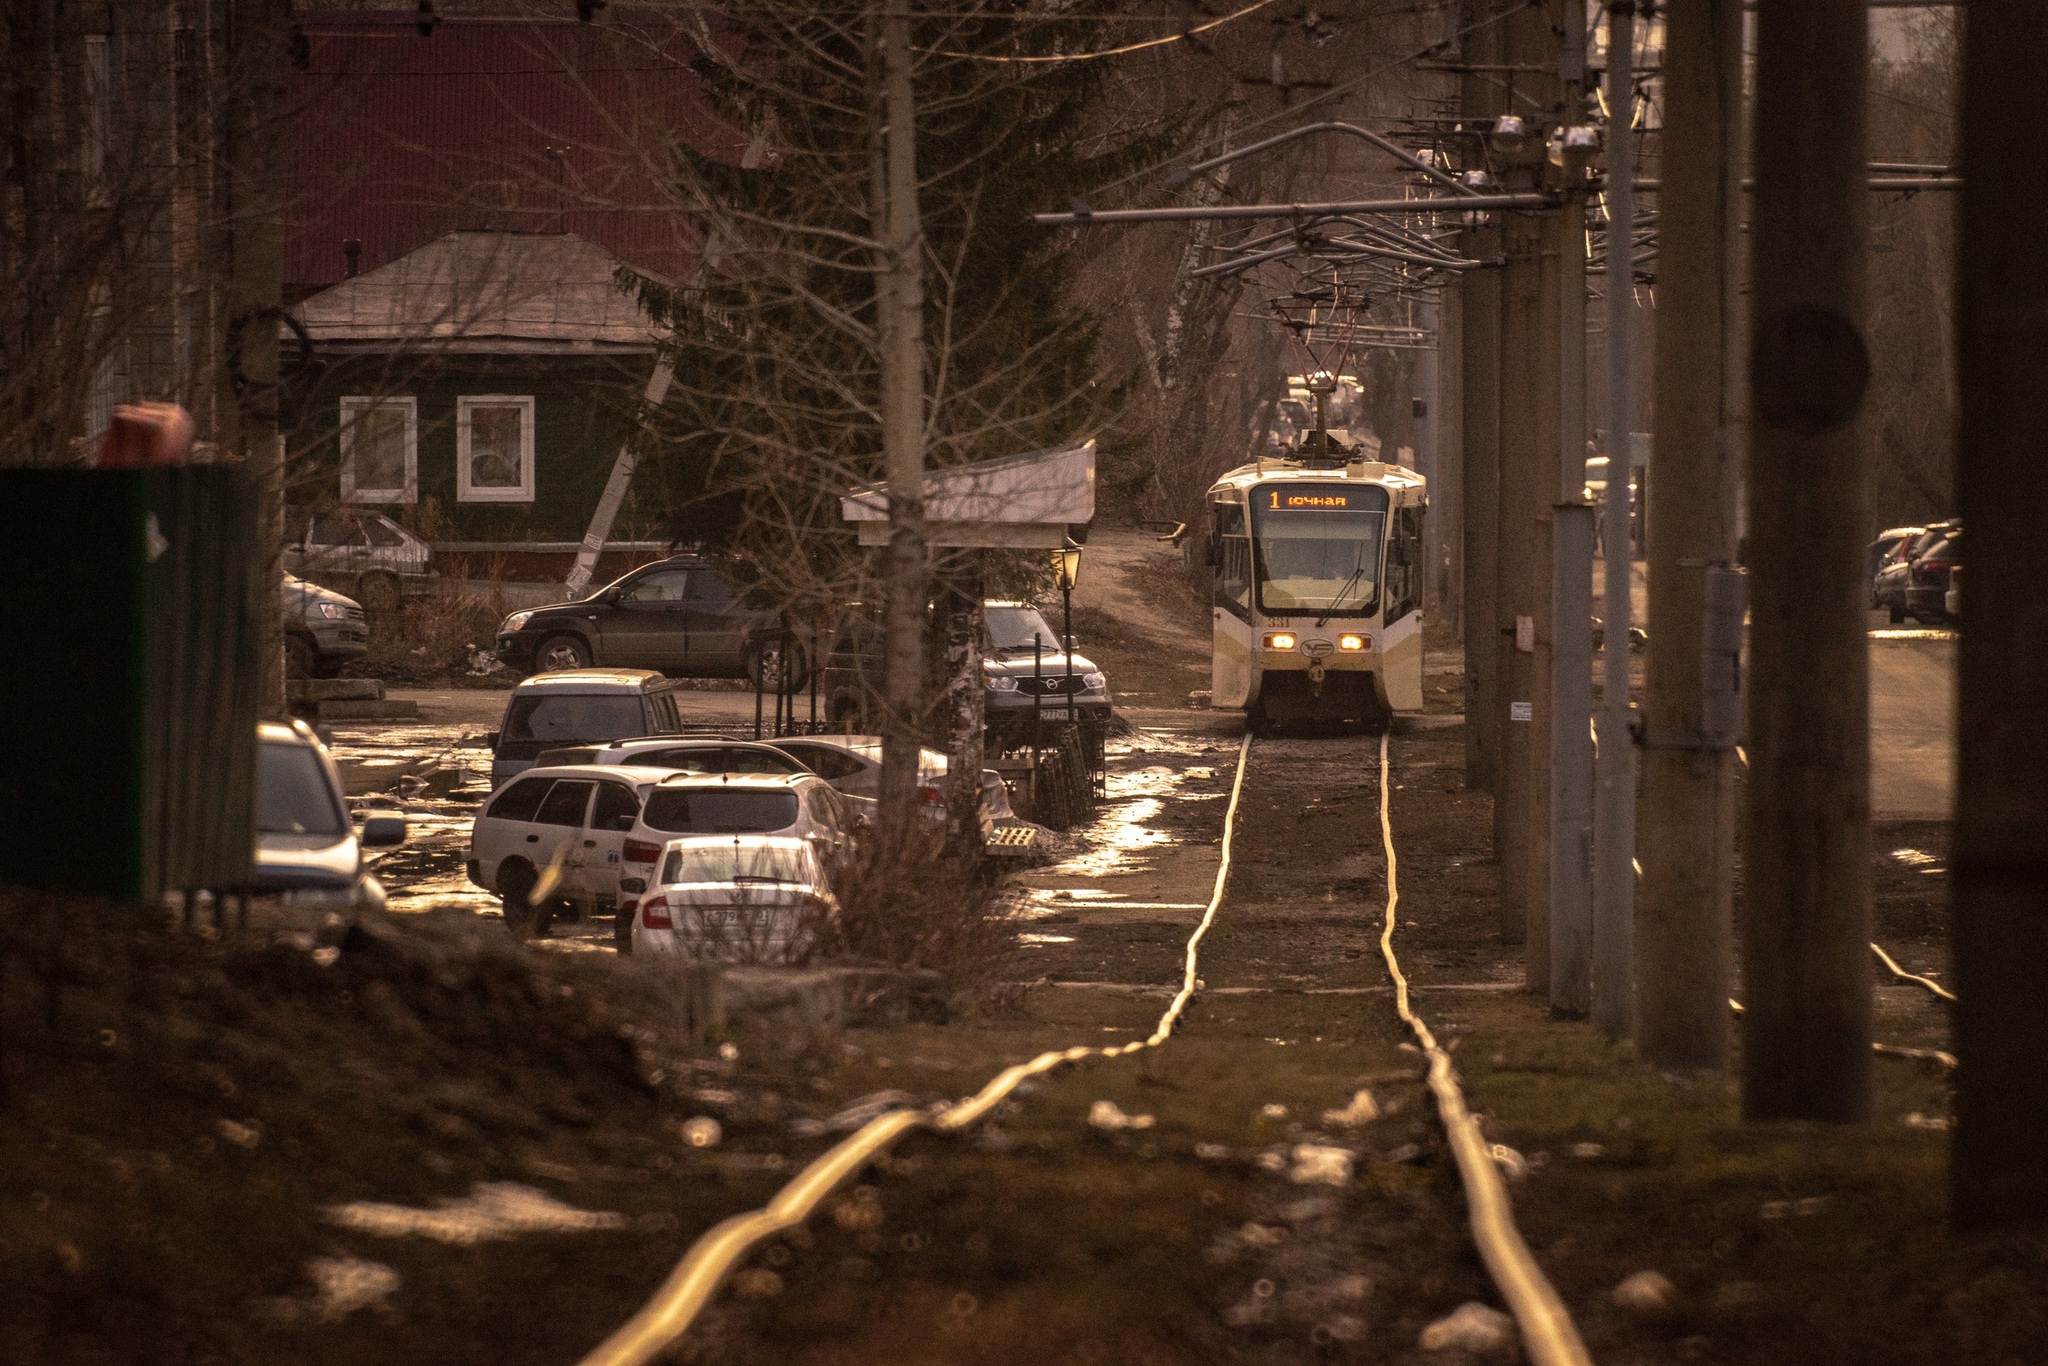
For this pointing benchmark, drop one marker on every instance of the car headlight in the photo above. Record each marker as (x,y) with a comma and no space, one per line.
(1093,682)
(1001,683)
(331,610)
(515,621)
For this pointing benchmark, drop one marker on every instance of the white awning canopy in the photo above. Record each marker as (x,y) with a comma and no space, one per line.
(1015,502)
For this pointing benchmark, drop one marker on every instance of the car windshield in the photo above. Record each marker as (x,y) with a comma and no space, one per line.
(738,862)
(1319,546)
(720,810)
(1011,629)
(565,717)
(293,795)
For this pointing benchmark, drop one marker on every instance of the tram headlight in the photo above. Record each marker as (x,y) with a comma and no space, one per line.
(1280,640)
(1352,642)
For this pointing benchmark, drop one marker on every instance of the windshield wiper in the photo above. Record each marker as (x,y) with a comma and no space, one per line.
(1331,609)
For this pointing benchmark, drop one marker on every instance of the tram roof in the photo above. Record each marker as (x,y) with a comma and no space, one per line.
(1287,471)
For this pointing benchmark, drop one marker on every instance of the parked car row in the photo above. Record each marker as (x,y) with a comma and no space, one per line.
(595,789)
(1912,569)
(684,617)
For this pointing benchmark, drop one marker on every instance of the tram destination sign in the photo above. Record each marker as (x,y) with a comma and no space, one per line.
(1308,499)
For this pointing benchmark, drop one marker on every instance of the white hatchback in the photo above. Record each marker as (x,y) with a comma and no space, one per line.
(799,806)
(735,899)
(559,835)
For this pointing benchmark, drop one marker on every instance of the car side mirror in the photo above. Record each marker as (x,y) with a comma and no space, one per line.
(488,740)
(632,884)
(381,832)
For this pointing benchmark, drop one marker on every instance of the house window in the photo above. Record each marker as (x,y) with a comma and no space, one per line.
(380,450)
(494,448)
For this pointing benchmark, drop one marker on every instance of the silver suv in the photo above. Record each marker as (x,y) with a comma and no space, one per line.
(307,848)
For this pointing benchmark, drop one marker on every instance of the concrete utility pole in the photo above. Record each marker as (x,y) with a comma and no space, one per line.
(1479,300)
(900,316)
(1571,576)
(1530,419)
(1806,1032)
(1526,338)
(1686,814)
(1447,494)
(2000,1155)
(1614,780)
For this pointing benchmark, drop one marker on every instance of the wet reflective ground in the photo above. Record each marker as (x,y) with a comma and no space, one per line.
(1166,781)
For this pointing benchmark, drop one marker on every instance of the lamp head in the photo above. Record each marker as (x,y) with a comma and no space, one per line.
(1066,566)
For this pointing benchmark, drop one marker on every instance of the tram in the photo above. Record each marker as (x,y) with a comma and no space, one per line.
(1318,569)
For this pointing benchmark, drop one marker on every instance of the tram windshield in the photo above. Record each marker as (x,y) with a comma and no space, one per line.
(1319,547)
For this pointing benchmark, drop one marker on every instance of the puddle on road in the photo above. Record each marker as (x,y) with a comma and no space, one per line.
(1922,861)
(1116,840)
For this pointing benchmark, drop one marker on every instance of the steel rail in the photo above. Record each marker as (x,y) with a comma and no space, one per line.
(668,1314)
(1548,1334)
(1937,988)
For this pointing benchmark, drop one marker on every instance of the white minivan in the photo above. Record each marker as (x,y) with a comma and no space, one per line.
(559,836)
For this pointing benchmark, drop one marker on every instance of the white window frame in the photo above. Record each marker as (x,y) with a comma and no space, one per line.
(465,492)
(353,407)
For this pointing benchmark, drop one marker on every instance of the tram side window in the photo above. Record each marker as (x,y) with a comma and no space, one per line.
(1404,564)
(1233,561)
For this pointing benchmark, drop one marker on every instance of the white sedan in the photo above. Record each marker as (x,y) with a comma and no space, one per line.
(735,899)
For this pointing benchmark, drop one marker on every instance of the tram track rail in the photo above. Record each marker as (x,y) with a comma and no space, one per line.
(1550,1337)
(713,1257)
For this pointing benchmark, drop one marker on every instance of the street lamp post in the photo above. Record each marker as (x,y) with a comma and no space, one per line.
(1066,568)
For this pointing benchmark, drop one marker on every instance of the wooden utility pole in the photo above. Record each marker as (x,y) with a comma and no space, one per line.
(1479,310)
(1686,814)
(1807,984)
(256,103)
(2000,1154)
(899,311)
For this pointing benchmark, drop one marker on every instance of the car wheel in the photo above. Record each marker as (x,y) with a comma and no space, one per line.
(561,652)
(1898,616)
(765,667)
(378,592)
(299,658)
(515,893)
(622,926)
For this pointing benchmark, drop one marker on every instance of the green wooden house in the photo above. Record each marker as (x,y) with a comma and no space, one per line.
(496,374)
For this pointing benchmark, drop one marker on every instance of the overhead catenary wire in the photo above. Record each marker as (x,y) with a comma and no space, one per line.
(1548,1334)
(668,1314)
(1101,52)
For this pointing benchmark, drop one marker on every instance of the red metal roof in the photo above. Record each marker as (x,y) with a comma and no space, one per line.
(516,125)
